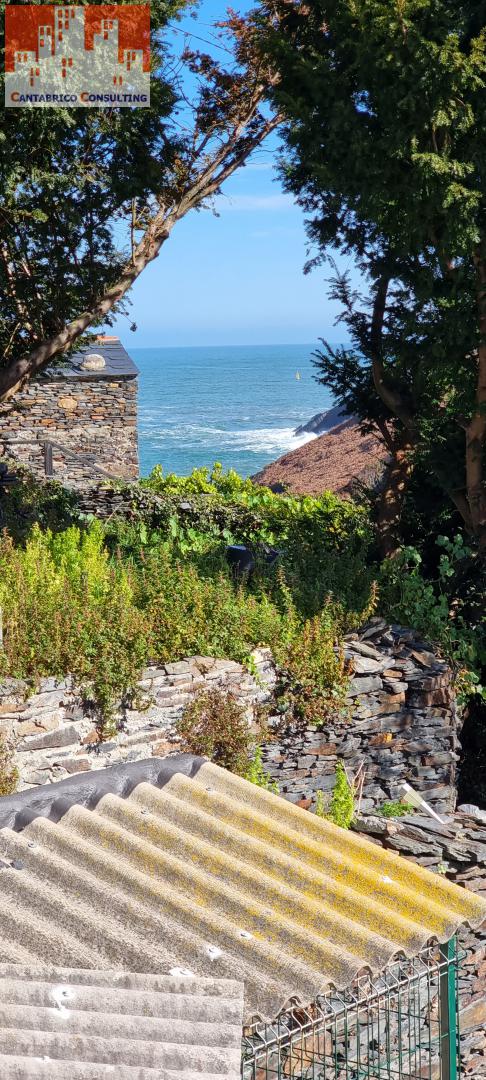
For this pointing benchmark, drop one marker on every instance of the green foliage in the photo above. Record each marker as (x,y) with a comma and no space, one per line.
(68,178)
(102,600)
(342,810)
(395,809)
(214,725)
(68,608)
(30,502)
(385,152)
(256,773)
(448,608)
(325,541)
(314,681)
(320,810)
(9,775)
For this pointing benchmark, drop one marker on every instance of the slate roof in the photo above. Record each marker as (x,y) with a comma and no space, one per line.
(202,870)
(118,363)
(58,1024)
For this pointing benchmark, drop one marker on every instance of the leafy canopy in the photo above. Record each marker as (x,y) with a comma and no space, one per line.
(385,109)
(91,195)
(68,178)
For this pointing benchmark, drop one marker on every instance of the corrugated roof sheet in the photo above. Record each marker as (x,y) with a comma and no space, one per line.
(59,1024)
(118,363)
(213,874)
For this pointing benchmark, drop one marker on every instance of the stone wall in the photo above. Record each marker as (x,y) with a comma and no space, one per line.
(458,850)
(402,724)
(54,732)
(95,417)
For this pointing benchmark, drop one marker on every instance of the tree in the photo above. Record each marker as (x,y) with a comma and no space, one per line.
(75,181)
(386,108)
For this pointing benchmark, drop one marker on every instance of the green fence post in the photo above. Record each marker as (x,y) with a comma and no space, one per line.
(448,1012)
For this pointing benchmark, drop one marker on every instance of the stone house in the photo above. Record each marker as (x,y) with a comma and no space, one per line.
(78,419)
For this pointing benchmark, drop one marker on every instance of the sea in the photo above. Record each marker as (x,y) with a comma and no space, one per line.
(239,405)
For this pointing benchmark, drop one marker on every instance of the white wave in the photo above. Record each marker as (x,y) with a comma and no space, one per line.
(271,441)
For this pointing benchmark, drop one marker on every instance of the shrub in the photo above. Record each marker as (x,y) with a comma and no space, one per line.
(67,608)
(30,502)
(325,540)
(100,601)
(215,725)
(342,809)
(315,680)
(448,609)
(256,773)
(395,809)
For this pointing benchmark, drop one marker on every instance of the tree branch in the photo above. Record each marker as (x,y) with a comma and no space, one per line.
(393,400)
(226,159)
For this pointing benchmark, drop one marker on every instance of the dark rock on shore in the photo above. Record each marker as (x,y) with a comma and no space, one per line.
(326,421)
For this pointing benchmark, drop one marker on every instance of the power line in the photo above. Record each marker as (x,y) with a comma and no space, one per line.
(197,37)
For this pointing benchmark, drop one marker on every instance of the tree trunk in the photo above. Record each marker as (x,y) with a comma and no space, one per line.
(390,506)
(476,429)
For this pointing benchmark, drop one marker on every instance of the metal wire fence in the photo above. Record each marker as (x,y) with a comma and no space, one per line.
(402,1025)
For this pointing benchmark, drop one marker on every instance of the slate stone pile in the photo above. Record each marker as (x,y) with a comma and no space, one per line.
(457,849)
(401,725)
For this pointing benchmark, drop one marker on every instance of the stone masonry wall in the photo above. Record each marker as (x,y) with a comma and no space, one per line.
(93,417)
(402,725)
(54,733)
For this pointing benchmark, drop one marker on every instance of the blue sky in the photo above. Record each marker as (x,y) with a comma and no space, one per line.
(236,278)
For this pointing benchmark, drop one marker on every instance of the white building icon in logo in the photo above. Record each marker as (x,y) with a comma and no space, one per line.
(63,67)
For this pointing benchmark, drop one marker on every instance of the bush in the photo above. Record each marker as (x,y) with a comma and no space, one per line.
(315,680)
(30,502)
(342,810)
(68,608)
(215,725)
(100,601)
(326,540)
(256,773)
(395,809)
(447,609)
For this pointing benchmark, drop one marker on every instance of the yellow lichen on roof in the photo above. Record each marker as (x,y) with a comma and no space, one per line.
(219,877)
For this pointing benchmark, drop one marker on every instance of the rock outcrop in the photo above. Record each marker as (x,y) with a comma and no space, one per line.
(331,462)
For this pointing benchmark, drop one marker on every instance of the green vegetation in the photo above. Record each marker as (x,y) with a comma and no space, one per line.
(103,600)
(67,607)
(216,506)
(90,196)
(385,151)
(258,775)
(446,606)
(216,726)
(395,809)
(342,808)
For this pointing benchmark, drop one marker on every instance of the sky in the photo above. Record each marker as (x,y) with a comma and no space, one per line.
(235,278)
